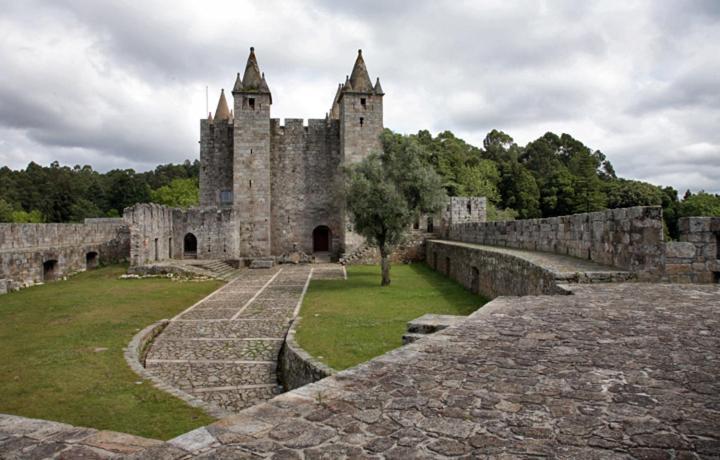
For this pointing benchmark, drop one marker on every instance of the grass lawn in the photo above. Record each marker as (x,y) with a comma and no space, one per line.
(345,323)
(51,362)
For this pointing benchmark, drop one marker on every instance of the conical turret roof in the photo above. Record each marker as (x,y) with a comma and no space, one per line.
(359,78)
(238,84)
(378,89)
(222,112)
(252,80)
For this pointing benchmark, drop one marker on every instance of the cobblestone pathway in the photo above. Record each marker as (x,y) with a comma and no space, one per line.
(224,349)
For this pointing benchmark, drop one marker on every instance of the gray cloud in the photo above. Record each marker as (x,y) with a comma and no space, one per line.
(117,84)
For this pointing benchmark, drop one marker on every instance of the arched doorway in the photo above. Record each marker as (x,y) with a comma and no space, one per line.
(321,239)
(91,260)
(50,270)
(190,246)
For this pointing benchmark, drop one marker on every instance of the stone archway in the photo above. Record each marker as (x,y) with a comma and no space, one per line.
(91,260)
(321,239)
(190,246)
(50,270)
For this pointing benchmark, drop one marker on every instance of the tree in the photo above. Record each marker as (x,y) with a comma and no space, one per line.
(6,211)
(700,204)
(180,193)
(387,191)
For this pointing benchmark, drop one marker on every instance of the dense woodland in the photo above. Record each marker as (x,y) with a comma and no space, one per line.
(550,176)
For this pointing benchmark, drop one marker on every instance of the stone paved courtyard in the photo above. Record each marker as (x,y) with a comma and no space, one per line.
(626,371)
(224,349)
(619,371)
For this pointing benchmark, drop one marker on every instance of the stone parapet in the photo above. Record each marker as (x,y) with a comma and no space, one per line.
(696,257)
(296,366)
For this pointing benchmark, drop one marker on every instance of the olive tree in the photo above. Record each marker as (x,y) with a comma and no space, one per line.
(388,190)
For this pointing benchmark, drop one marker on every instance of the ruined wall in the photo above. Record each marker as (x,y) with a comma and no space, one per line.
(629,238)
(25,248)
(151,233)
(214,229)
(696,257)
(489,273)
(216,161)
(306,183)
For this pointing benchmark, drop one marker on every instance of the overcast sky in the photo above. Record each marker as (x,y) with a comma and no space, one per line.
(121,84)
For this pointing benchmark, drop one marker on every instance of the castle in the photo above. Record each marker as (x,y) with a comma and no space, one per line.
(276,188)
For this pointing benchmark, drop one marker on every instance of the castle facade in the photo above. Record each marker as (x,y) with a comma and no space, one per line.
(282,183)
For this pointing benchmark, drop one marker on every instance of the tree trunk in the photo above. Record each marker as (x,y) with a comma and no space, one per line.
(385,265)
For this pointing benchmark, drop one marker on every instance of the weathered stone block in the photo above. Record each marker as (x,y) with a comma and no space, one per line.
(678,249)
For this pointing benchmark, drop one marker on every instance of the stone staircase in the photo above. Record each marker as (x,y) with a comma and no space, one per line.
(217,268)
(361,253)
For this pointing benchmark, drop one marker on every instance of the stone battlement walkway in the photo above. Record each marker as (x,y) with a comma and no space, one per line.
(563,267)
(224,349)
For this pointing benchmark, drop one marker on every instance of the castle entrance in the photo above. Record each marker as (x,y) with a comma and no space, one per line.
(190,247)
(321,239)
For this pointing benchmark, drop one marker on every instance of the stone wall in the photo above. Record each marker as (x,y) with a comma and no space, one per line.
(629,238)
(151,233)
(489,273)
(34,253)
(696,257)
(216,159)
(296,367)
(306,184)
(158,233)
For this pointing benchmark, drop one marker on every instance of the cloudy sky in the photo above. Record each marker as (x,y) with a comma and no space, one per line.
(118,84)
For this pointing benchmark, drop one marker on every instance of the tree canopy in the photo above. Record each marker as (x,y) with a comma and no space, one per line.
(388,190)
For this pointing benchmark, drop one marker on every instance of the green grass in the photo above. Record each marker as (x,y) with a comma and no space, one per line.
(49,368)
(345,323)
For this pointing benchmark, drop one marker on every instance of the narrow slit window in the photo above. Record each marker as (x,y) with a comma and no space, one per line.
(250,183)
(362,120)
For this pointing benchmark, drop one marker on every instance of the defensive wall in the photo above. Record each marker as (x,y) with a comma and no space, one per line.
(618,240)
(35,253)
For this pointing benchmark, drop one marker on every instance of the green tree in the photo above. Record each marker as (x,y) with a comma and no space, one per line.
(23,217)
(180,193)
(6,210)
(700,204)
(387,191)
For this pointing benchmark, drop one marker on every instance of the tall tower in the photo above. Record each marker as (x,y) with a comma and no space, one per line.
(251,160)
(361,114)
(216,156)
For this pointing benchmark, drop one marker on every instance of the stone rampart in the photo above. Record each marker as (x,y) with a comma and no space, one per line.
(696,257)
(296,367)
(151,233)
(490,273)
(629,238)
(34,253)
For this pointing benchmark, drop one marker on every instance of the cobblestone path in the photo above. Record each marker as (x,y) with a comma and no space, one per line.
(224,349)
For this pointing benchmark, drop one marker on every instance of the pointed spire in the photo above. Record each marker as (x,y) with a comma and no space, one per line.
(263,84)
(378,89)
(335,107)
(210,116)
(238,84)
(222,112)
(347,86)
(359,77)
(252,79)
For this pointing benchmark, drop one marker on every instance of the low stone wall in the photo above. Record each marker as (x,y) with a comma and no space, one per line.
(629,238)
(35,253)
(491,274)
(296,366)
(696,257)
(412,250)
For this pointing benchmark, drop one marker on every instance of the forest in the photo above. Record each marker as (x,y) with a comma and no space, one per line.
(550,176)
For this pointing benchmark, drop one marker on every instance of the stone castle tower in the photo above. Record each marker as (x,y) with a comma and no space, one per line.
(277,188)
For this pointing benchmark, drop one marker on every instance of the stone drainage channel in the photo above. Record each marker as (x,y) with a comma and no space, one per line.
(222,352)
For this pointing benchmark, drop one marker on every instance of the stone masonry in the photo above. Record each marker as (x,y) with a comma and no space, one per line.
(36,253)
(276,188)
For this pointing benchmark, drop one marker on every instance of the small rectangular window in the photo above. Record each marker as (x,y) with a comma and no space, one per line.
(226,197)
(363,101)
(251,102)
